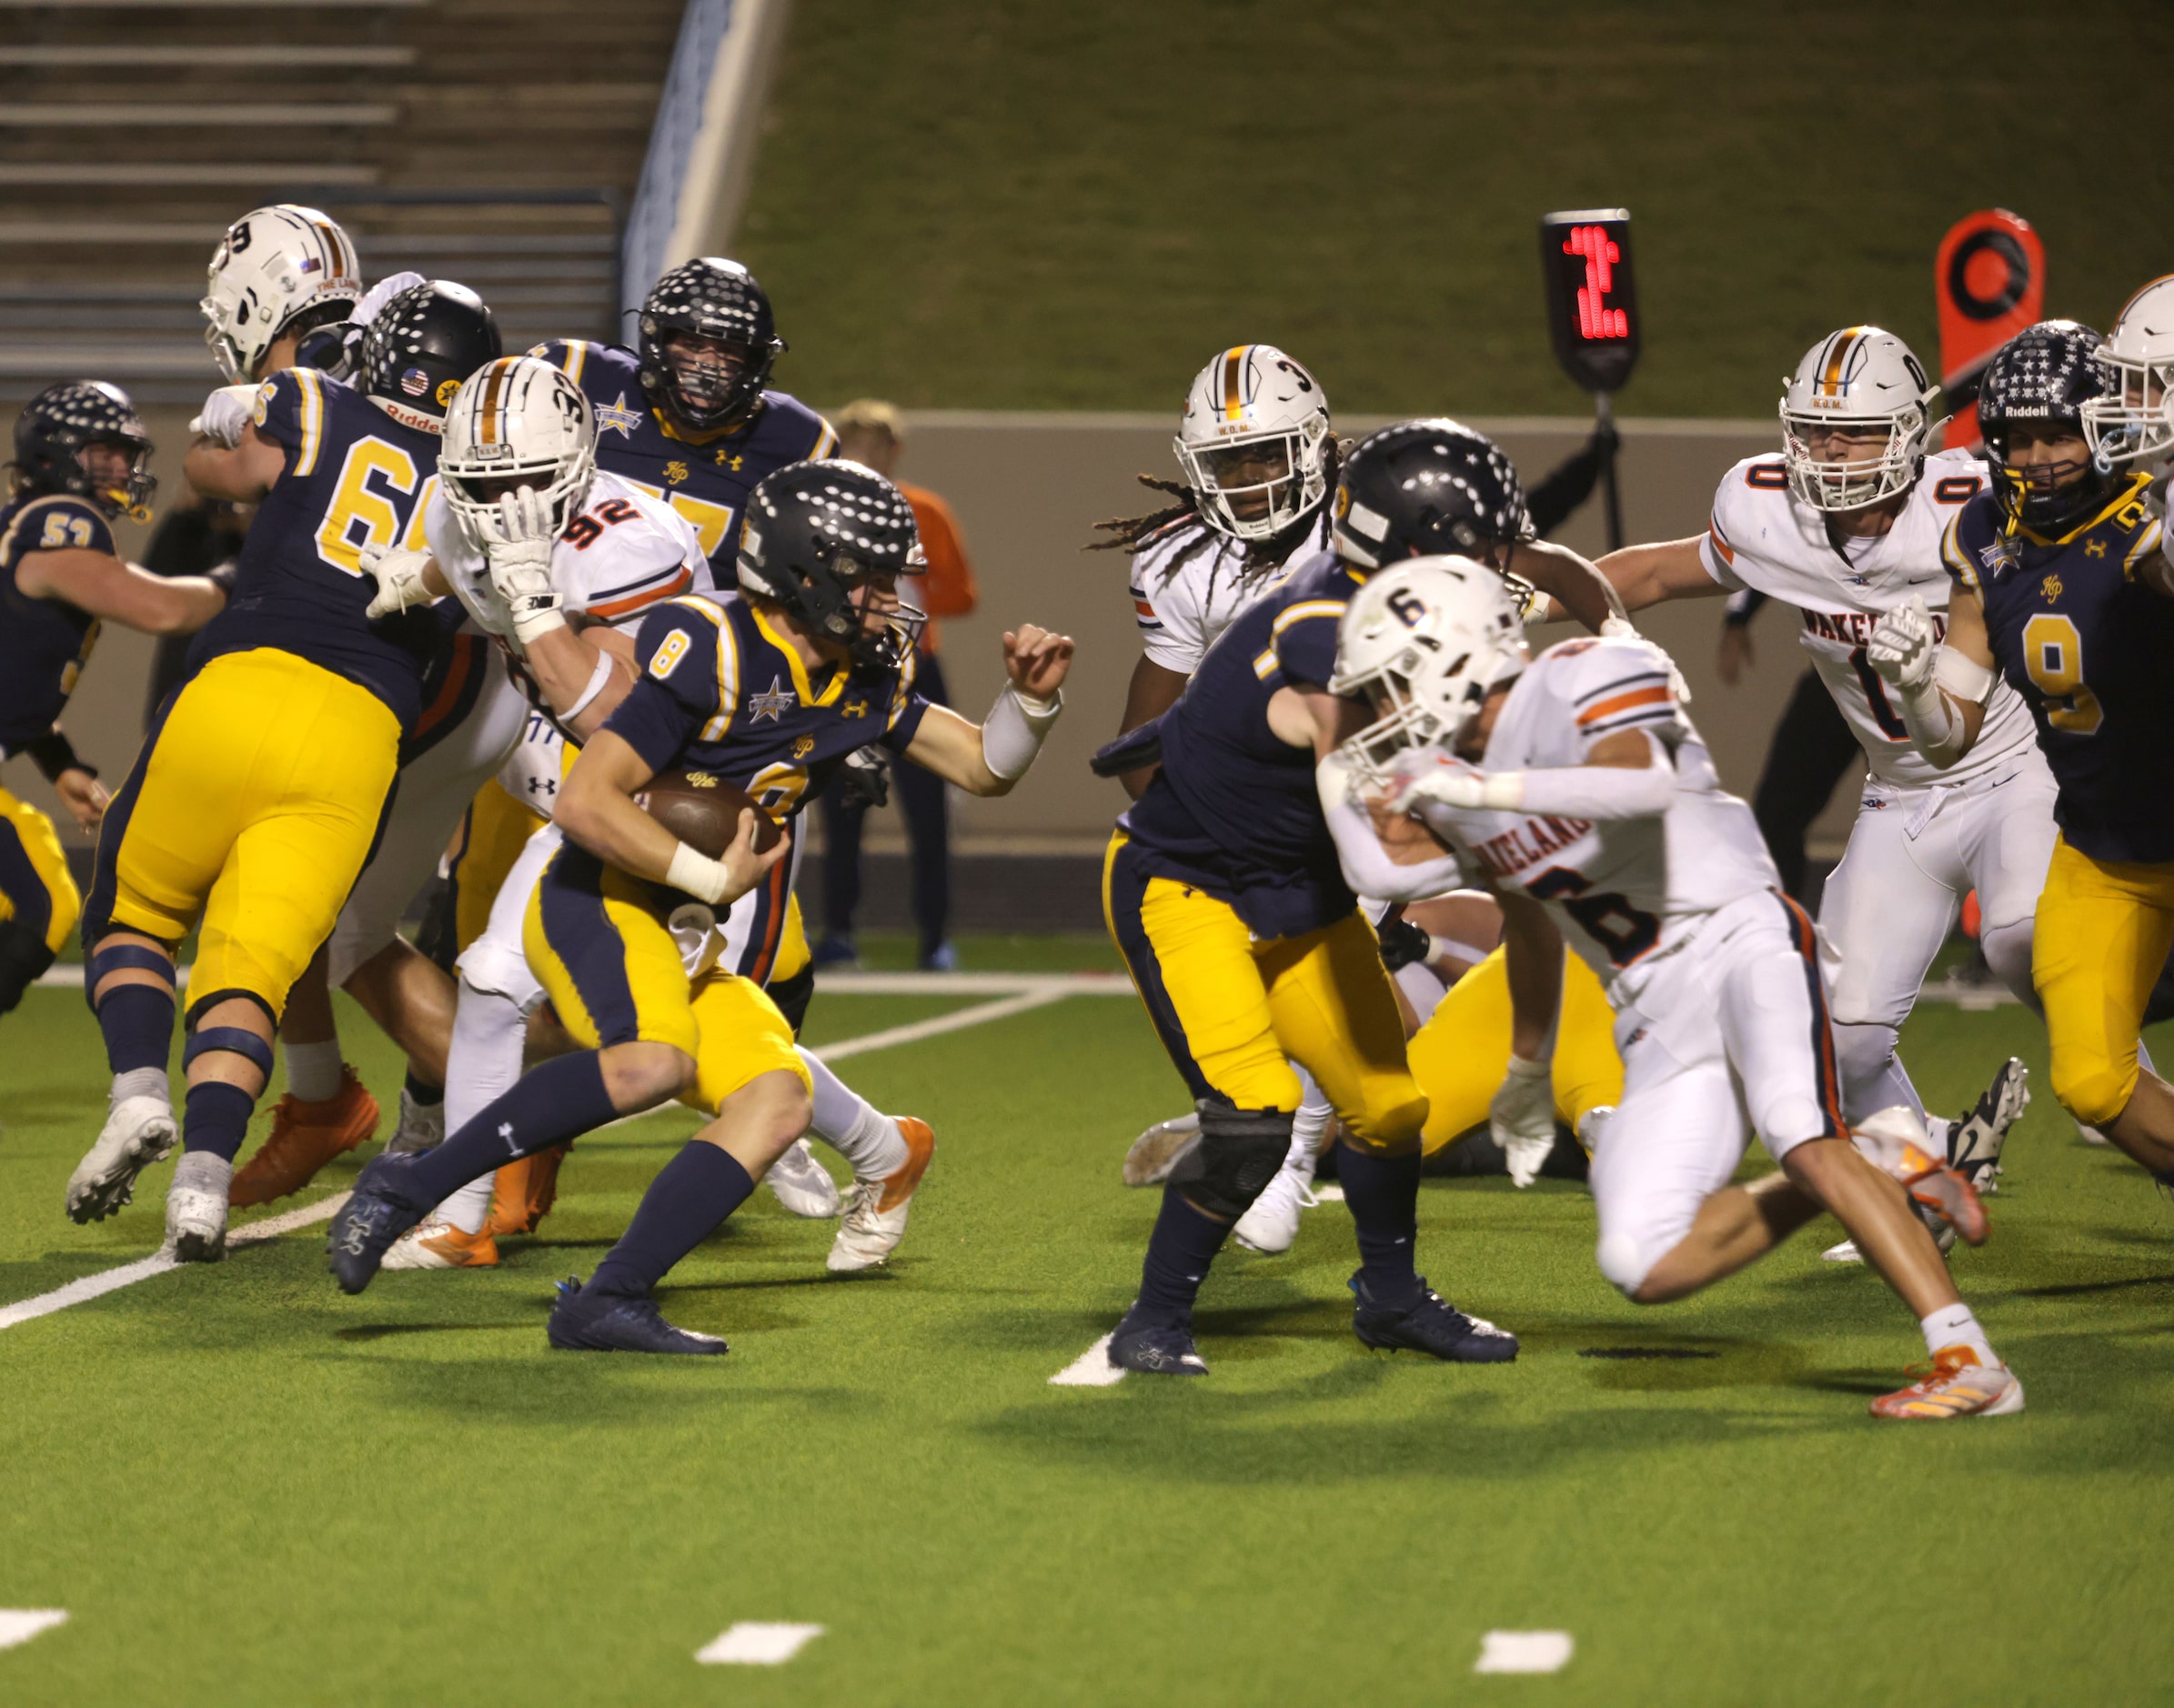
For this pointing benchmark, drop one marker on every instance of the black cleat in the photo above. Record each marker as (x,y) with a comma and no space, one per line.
(377,1211)
(609,1322)
(1430,1324)
(1155,1350)
(1975,1140)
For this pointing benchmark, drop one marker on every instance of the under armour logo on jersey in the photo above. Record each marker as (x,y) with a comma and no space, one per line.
(617,418)
(774,703)
(2094,549)
(726,459)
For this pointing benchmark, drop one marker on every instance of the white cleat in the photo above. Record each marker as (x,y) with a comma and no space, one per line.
(1959,1385)
(1161,1149)
(139,1132)
(876,1211)
(422,1127)
(441,1245)
(1271,1222)
(1846,1253)
(196,1208)
(803,1185)
(1975,1141)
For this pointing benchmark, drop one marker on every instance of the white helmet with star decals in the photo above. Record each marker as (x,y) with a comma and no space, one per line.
(2134,418)
(1253,442)
(1855,418)
(519,421)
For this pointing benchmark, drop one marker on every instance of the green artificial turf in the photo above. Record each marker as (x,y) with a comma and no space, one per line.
(974,203)
(249,1489)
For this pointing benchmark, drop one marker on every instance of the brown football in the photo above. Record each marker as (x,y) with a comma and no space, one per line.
(703,811)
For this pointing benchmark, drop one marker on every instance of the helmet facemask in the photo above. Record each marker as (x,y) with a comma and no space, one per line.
(1857,476)
(2134,420)
(1256,486)
(129,496)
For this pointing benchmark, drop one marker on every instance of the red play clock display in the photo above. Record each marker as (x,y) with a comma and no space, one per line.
(1592,301)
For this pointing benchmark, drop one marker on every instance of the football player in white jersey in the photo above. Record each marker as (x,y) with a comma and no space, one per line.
(1579,788)
(1844,525)
(558,561)
(2133,422)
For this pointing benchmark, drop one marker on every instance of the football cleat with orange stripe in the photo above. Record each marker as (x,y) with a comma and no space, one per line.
(304,1138)
(524,1191)
(1958,1385)
(875,1213)
(441,1245)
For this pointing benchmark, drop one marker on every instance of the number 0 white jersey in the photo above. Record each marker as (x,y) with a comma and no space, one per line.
(1623,887)
(623,553)
(1761,535)
(1183,610)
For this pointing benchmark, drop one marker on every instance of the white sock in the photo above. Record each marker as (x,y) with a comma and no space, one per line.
(853,1126)
(482,1064)
(468,1208)
(1314,1114)
(1955,1326)
(313,1071)
(141,1082)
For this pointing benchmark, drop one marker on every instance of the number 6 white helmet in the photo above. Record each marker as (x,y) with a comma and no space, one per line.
(2134,418)
(519,421)
(1253,442)
(273,267)
(1864,380)
(1424,643)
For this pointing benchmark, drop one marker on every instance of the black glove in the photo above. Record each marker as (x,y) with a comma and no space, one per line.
(865,781)
(1404,944)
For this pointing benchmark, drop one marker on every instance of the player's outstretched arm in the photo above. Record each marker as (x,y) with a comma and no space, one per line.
(1627,774)
(1522,1114)
(1942,689)
(1383,855)
(1572,582)
(597,809)
(1647,575)
(991,756)
(242,472)
(100,583)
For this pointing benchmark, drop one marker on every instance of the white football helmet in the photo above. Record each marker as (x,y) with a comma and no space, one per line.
(1253,442)
(519,421)
(1426,642)
(274,265)
(1860,380)
(2134,418)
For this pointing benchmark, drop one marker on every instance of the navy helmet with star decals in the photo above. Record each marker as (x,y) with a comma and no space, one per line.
(815,533)
(708,343)
(2043,377)
(1427,489)
(420,348)
(58,424)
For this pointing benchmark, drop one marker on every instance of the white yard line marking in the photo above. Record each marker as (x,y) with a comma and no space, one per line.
(1031,992)
(973,983)
(1328,1192)
(757,1642)
(1090,1369)
(1524,1651)
(19,1624)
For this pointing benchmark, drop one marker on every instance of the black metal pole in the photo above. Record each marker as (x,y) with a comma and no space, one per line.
(1604,414)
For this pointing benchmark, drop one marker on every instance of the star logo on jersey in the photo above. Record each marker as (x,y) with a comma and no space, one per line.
(617,418)
(2052,587)
(773,705)
(675,472)
(2094,549)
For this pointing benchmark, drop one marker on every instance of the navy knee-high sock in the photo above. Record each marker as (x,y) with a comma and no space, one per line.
(1383,1195)
(215,1118)
(548,1106)
(692,1195)
(138,1023)
(1179,1254)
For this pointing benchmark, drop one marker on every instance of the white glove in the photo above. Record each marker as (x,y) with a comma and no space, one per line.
(225,413)
(1904,647)
(1522,1117)
(520,565)
(381,294)
(1434,775)
(399,573)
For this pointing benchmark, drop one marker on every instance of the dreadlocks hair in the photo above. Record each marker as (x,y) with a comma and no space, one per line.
(1183,521)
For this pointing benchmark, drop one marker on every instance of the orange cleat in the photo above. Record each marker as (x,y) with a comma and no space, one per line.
(876,1211)
(304,1138)
(441,1245)
(523,1193)
(1958,1386)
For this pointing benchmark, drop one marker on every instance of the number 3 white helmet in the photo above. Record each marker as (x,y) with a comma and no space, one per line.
(2134,418)
(1253,442)
(275,265)
(1858,381)
(1424,643)
(519,421)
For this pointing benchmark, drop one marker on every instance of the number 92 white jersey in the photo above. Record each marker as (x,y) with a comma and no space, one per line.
(1761,535)
(1621,888)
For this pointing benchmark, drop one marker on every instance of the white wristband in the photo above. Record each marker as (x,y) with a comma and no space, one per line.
(596,679)
(700,876)
(532,624)
(1963,676)
(1012,733)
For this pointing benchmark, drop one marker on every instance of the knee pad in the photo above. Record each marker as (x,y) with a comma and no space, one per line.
(1624,1262)
(122,957)
(1239,1152)
(23,957)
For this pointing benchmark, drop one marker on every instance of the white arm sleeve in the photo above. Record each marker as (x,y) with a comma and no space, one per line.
(1012,733)
(1589,791)
(1367,868)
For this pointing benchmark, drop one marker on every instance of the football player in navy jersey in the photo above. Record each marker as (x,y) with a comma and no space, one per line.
(688,415)
(260,790)
(2063,588)
(80,457)
(770,691)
